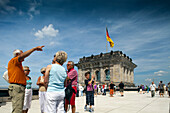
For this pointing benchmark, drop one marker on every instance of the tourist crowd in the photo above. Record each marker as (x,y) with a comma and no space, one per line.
(58,86)
(162,88)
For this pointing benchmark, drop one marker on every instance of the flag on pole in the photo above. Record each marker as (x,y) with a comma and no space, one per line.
(109,39)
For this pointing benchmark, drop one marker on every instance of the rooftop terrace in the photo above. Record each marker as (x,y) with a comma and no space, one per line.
(132,102)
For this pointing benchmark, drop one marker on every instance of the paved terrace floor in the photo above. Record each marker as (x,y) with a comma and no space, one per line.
(132,102)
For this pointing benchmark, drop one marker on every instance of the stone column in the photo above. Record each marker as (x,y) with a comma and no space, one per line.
(116,71)
(125,75)
(83,75)
(80,77)
(111,73)
(129,79)
(102,77)
(121,73)
(132,75)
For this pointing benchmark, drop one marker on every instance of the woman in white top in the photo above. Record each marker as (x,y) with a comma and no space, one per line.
(81,90)
(42,90)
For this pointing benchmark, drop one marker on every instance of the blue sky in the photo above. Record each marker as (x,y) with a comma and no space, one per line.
(139,28)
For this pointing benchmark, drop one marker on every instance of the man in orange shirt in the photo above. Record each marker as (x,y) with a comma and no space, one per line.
(17,78)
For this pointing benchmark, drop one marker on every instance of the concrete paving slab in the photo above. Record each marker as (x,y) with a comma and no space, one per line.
(132,102)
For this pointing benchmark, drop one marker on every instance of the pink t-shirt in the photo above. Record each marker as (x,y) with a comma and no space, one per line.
(72,74)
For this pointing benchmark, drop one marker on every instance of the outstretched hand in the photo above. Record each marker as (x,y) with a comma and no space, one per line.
(93,76)
(39,48)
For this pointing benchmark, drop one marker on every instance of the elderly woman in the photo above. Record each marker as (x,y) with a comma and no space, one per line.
(55,76)
(28,91)
(42,89)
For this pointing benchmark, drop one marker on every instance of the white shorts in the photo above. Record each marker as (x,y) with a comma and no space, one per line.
(55,102)
(27,99)
(42,100)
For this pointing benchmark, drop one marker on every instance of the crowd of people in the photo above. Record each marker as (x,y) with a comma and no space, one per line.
(52,84)
(162,88)
(58,86)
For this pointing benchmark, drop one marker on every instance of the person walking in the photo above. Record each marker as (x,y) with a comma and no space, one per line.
(89,91)
(147,89)
(28,91)
(111,89)
(153,89)
(81,90)
(121,88)
(168,89)
(17,78)
(95,89)
(164,86)
(114,90)
(72,76)
(55,76)
(105,88)
(99,89)
(143,89)
(42,90)
(161,89)
(140,89)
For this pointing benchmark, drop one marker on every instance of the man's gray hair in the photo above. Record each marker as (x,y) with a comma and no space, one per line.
(61,57)
(71,62)
(16,51)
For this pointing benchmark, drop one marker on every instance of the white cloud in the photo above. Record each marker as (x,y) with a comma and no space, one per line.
(33,10)
(47,31)
(5,8)
(160,73)
(148,79)
(51,43)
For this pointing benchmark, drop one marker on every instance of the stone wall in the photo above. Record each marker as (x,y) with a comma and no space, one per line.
(120,67)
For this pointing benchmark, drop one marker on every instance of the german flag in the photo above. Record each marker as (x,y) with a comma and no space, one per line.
(109,39)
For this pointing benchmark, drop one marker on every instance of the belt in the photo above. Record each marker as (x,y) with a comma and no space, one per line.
(73,85)
(19,84)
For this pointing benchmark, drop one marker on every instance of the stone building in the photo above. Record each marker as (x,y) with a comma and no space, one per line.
(113,66)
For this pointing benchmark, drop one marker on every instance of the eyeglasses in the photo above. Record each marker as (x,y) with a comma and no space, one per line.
(68,64)
(43,72)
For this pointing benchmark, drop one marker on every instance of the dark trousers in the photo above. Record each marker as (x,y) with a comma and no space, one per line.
(90,97)
(152,93)
(104,91)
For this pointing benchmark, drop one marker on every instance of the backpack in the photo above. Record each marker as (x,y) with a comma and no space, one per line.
(169,87)
(68,94)
(5,76)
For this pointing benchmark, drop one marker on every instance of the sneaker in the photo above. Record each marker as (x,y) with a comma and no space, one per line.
(85,107)
(90,110)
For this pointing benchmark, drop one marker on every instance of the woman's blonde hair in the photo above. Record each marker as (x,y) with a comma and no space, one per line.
(61,57)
